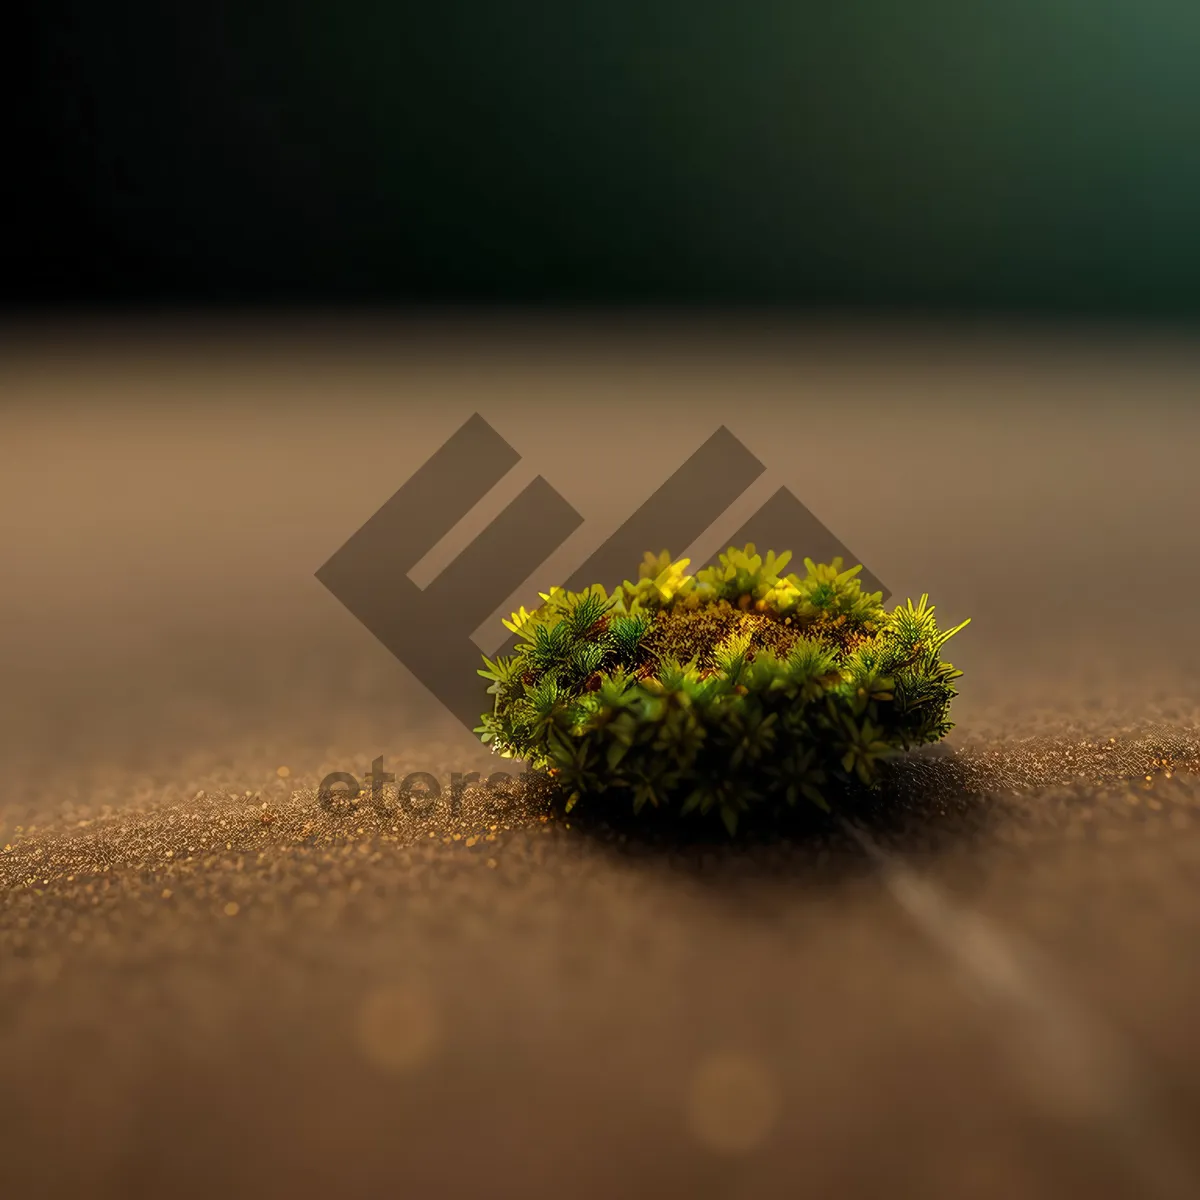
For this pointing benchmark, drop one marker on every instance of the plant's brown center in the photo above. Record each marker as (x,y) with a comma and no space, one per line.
(684,634)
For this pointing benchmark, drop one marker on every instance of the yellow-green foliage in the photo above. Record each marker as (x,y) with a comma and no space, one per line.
(733,689)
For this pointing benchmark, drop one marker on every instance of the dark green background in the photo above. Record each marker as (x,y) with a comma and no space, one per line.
(1019,155)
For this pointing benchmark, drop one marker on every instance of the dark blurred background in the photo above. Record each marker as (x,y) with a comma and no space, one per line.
(1036,156)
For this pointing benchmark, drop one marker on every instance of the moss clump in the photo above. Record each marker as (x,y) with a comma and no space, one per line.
(730,691)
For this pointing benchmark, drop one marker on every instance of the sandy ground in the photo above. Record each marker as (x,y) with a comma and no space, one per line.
(210,985)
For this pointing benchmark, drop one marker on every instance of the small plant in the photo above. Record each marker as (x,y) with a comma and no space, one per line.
(734,690)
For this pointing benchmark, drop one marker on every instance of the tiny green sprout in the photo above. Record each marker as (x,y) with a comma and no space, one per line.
(729,692)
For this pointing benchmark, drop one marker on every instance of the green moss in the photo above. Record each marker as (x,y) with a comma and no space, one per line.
(733,690)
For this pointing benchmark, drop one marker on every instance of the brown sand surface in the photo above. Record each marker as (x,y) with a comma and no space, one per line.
(211,986)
